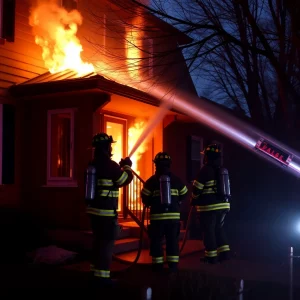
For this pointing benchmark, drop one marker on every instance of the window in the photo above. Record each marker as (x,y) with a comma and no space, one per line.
(148,55)
(60,153)
(7,20)
(1,140)
(7,144)
(194,157)
(104,31)
(114,38)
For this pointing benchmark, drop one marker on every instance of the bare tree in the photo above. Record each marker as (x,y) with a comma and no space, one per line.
(246,49)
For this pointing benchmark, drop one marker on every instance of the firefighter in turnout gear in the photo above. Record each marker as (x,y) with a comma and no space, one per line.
(210,195)
(163,193)
(103,179)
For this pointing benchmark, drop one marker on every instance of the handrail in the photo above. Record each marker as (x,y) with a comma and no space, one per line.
(133,205)
(136,175)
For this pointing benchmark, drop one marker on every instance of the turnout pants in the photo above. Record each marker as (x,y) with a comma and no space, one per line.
(214,236)
(105,231)
(158,230)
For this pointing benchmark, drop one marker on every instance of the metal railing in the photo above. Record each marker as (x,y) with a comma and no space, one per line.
(291,272)
(132,201)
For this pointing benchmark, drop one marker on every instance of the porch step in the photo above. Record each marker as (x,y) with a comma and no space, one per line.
(125,233)
(126,245)
(81,241)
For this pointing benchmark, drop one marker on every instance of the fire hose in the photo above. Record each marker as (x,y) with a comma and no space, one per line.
(186,230)
(139,251)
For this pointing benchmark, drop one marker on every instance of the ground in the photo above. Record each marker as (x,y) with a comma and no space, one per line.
(261,280)
(261,260)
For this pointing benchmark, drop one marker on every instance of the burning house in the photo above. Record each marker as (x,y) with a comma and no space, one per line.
(61,81)
(66,72)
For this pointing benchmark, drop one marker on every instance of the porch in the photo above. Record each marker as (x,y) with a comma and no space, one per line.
(57,115)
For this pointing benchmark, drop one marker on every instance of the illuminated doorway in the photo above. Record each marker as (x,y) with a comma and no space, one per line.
(126,130)
(117,128)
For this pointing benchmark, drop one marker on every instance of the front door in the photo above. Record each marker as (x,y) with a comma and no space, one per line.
(117,128)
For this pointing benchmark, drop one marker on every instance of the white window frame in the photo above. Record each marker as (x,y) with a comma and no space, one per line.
(1,141)
(200,160)
(104,32)
(61,181)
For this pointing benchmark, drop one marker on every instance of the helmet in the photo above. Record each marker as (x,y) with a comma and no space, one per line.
(212,150)
(162,157)
(101,139)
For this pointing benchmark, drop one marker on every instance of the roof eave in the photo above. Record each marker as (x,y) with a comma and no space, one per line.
(52,87)
(80,84)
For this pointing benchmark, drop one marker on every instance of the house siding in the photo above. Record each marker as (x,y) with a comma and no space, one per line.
(169,66)
(10,193)
(22,59)
(56,206)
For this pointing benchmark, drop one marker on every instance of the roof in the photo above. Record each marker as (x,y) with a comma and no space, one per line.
(182,38)
(69,81)
(48,77)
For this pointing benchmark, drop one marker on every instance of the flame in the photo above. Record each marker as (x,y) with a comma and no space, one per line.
(134,133)
(55,31)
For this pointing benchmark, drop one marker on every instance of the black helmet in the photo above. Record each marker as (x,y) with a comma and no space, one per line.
(101,139)
(212,152)
(162,157)
(212,149)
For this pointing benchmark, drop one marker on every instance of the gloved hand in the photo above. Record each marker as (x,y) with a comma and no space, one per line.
(125,162)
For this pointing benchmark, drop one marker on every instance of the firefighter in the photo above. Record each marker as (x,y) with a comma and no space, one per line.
(212,203)
(101,196)
(163,192)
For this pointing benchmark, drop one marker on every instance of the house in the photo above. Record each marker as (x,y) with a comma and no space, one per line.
(49,113)
(53,112)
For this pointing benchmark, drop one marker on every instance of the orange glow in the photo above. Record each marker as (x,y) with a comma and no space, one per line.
(134,44)
(55,31)
(134,133)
